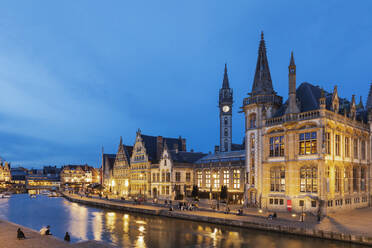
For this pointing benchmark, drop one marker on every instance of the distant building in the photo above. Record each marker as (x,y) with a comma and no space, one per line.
(79,175)
(5,175)
(18,175)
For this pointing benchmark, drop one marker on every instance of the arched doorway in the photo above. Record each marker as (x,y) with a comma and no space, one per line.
(252,197)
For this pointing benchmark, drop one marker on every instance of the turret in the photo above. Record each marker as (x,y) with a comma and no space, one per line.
(292,103)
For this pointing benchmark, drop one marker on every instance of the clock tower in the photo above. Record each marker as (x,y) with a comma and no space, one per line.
(225,106)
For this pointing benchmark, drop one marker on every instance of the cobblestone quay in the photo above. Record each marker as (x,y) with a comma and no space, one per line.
(8,237)
(353,227)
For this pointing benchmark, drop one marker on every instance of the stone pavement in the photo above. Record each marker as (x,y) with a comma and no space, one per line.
(8,239)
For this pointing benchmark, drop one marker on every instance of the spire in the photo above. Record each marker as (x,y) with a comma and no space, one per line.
(369,99)
(292,63)
(225,84)
(262,83)
(360,104)
(121,140)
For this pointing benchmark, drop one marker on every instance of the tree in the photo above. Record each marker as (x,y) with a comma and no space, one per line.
(223,194)
(195,191)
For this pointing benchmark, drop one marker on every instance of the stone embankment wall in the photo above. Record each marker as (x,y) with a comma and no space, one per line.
(236,222)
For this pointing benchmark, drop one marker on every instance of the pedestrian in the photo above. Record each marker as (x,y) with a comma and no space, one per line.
(47,232)
(67,237)
(20,234)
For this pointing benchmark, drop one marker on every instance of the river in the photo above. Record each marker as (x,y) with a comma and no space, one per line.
(137,230)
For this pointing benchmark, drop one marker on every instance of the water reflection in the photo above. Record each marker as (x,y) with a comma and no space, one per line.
(133,230)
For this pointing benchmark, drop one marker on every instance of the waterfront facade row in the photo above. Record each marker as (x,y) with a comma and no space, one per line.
(310,153)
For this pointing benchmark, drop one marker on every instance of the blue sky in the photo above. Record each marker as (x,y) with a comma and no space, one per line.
(77,75)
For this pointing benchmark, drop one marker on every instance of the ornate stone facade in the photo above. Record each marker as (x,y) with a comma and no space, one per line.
(311,153)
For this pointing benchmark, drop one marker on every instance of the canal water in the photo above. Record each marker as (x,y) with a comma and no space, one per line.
(135,230)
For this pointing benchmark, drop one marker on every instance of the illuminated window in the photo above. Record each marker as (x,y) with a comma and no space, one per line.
(178,176)
(277,179)
(236,179)
(309,179)
(277,146)
(216,180)
(347,180)
(226,176)
(308,143)
(199,176)
(337,144)
(347,147)
(188,176)
(208,179)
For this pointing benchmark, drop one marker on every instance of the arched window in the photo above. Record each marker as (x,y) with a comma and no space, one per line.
(309,179)
(226,121)
(252,121)
(226,145)
(277,179)
(226,132)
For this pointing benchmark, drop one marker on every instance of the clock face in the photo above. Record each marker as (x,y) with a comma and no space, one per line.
(225,108)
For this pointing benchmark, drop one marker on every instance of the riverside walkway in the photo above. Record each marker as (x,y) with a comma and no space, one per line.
(8,237)
(351,226)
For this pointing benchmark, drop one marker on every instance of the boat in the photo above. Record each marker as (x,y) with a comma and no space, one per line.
(33,195)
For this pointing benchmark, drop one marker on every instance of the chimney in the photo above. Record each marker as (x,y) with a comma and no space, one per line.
(175,147)
(183,144)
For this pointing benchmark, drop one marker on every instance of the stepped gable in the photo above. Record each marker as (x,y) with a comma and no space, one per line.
(308,97)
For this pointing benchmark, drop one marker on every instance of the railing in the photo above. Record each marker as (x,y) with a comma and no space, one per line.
(293,117)
(263,99)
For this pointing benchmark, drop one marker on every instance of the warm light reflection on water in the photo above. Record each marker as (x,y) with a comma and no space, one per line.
(135,230)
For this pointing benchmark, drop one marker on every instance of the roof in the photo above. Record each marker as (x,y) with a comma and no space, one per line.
(185,157)
(151,145)
(223,157)
(308,97)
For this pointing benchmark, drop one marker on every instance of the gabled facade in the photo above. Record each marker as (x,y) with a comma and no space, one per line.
(120,175)
(173,177)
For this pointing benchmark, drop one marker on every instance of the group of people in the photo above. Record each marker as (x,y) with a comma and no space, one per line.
(272,216)
(43,231)
(186,206)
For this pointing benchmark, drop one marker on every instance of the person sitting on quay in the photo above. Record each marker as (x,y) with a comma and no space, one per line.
(45,230)
(67,237)
(20,234)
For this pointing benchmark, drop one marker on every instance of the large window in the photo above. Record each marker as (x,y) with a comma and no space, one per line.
(208,179)
(355,148)
(252,121)
(363,150)
(347,180)
(363,179)
(347,147)
(337,179)
(328,143)
(188,176)
(309,179)
(236,179)
(308,143)
(277,146)
(337,145)
(216,180)
(199,178)
(355,179)
(226,176)
(277,179)
(178,176)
